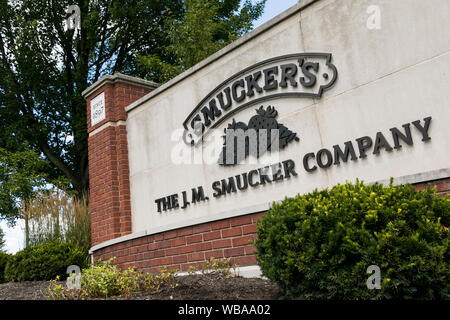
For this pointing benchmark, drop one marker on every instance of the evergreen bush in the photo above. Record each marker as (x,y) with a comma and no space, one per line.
(319,245)
(45,261)
(4,257)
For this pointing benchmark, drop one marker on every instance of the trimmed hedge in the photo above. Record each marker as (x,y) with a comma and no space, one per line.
(319,245)
(44,262)
(4,257)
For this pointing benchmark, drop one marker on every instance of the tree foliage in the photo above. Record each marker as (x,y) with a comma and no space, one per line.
(21,173)
(205,27)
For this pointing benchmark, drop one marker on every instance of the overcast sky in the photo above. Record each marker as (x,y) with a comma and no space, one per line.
(15,237)
(274,8)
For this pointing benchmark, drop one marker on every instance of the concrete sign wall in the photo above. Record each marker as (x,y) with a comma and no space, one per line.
(358,95)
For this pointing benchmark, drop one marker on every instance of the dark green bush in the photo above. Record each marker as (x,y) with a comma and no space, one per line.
(4,257)
(319,245)
(44,262)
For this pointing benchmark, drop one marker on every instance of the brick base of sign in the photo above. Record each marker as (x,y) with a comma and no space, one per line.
(189,246)
(194,245)
(442,186)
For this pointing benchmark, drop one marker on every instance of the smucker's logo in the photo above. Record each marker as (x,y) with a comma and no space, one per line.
(262,134)
(289,76)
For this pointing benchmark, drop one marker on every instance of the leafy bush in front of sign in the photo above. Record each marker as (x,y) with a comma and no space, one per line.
(104,279)
(44,262)
(4,258)
(319,245)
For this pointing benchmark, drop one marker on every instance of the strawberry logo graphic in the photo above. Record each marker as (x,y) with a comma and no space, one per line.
(263,128)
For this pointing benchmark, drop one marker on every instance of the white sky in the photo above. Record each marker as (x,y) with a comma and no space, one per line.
(274,8)
(15,236)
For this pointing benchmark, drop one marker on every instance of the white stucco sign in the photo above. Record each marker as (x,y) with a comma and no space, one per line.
(311,99)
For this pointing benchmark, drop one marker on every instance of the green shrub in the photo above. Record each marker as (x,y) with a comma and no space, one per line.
(44,262)
(319,245)
(102,280)
(105,279)
(4,257)
(222,267)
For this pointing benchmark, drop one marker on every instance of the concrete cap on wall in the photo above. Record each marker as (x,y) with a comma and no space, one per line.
(118,77)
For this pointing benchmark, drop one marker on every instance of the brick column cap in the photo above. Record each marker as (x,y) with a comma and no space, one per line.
(118,77)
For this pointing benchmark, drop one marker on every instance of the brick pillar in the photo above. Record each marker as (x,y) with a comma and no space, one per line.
(109,184)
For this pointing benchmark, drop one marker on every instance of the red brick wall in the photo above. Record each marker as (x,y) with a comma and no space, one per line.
(109,181)
(442,186)
(190,246)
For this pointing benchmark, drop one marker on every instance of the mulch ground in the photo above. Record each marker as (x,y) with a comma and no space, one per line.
(192,287)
